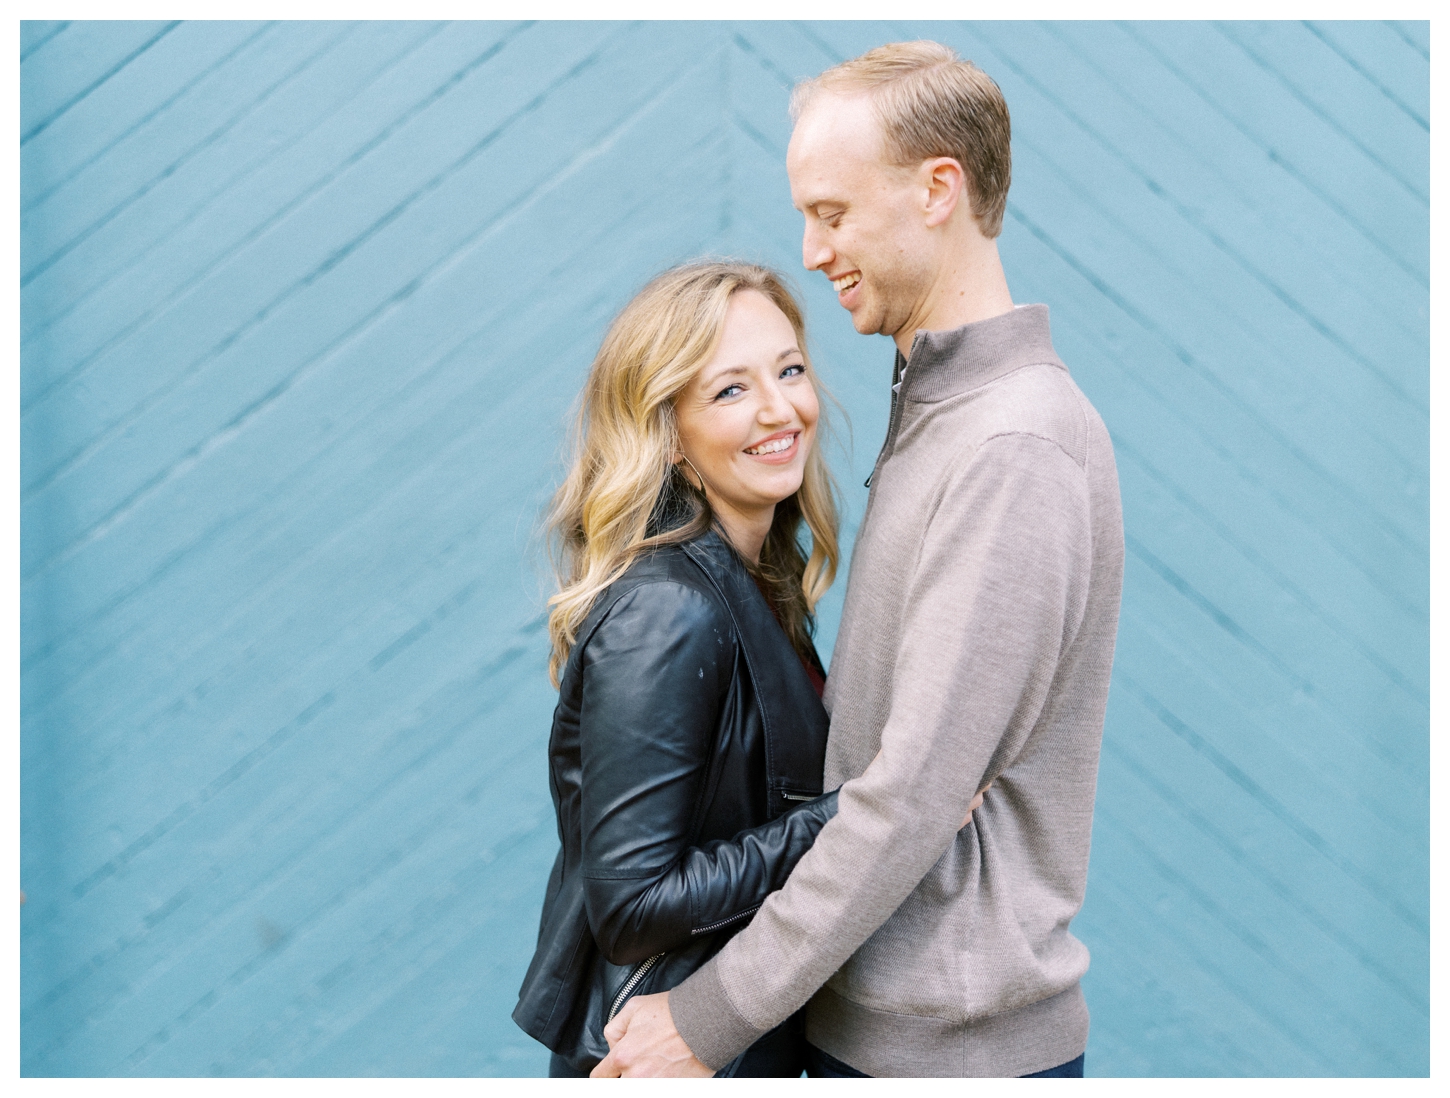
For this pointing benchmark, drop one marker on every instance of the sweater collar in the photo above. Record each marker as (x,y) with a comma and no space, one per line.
(946,364)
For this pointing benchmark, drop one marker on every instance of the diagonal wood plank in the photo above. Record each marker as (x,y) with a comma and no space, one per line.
(294,398)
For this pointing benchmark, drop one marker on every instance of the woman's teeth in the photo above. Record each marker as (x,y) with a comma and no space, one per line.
(845,283)
(774,446)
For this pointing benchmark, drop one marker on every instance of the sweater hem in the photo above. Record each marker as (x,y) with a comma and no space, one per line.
(1013,1043)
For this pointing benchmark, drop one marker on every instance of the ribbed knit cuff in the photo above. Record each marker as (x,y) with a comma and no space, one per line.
(708,1022)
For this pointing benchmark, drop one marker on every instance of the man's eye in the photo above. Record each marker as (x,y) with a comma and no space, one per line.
(792,371)
(729,391)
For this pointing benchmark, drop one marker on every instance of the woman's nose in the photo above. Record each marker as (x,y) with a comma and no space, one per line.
(774,407)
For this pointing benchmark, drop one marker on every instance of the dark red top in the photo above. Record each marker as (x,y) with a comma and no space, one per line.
(817,679)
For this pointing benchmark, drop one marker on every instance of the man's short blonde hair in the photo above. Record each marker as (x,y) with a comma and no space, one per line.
(932,103)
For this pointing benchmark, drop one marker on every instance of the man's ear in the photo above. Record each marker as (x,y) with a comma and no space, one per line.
(946,186)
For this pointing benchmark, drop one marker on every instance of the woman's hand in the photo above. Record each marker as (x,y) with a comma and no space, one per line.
(976,803)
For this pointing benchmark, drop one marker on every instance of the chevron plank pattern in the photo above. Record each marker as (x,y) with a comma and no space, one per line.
(304,307)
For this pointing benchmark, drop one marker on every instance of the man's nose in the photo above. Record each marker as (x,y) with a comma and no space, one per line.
(815,253)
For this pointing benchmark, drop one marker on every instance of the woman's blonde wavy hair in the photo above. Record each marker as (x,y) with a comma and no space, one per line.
(622,478)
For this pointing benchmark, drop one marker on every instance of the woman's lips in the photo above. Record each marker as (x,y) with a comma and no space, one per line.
(776,450)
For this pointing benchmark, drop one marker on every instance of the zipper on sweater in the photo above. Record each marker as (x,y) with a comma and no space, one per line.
(725,922)
(633,982)
(894,419)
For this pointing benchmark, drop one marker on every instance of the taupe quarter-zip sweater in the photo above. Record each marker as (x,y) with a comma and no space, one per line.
(975,645)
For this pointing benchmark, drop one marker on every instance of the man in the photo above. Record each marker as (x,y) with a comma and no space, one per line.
(976,642)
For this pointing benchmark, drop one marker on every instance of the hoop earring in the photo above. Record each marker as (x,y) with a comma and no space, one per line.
(691,464)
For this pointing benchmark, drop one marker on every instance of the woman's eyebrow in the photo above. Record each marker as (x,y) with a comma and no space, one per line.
(712,379)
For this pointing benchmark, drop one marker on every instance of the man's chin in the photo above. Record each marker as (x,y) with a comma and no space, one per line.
(864,323)
(868,321)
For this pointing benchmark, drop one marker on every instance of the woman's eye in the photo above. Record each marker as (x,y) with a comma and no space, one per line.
(792,371)
(730,391)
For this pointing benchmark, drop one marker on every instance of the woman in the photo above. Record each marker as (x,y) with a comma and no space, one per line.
(687,747)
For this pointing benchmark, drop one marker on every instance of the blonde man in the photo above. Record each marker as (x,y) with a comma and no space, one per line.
(975,645)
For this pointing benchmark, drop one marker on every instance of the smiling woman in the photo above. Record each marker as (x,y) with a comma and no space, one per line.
(651,405)
(687,747)
(748,420)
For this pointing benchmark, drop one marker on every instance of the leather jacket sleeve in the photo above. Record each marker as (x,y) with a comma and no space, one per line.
(655,675)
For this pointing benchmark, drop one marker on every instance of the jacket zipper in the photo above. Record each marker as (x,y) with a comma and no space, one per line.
(893,420)
(799,796)
(633,982)
(725,922)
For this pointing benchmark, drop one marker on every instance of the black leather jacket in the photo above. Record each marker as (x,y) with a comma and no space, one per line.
(685,766)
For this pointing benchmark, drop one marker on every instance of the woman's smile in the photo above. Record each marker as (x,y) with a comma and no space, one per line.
(778,449)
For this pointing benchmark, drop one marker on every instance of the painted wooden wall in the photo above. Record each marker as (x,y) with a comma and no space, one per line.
(303,310)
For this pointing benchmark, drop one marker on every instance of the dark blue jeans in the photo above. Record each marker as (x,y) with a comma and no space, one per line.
(822,1065)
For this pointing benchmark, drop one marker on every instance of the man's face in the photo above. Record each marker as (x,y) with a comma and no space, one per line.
(864,219)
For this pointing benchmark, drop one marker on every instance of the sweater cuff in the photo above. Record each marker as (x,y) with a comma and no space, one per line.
(707,1021)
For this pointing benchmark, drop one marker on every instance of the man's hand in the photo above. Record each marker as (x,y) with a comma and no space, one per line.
(643,1041)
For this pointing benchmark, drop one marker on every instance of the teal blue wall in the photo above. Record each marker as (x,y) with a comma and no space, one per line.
(303,308)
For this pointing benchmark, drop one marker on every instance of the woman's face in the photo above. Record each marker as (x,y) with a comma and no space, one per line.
(748,419)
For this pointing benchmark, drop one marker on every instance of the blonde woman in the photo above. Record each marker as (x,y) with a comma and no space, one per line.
(697,532)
